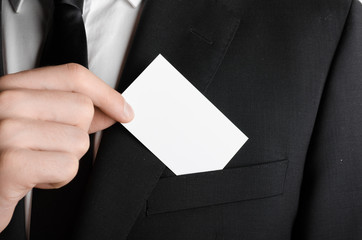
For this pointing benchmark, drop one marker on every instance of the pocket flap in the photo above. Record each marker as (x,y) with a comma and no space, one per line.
(218,187)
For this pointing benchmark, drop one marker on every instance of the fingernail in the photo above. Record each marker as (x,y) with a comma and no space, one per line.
(128,111)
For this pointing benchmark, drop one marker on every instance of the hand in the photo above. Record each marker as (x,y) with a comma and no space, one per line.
(45,117)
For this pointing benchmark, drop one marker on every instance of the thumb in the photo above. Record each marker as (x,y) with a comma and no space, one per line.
(100,121)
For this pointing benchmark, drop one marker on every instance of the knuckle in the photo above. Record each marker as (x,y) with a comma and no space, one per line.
(75,68)
(77,73)
(86,106)
(69,170)
(82,143)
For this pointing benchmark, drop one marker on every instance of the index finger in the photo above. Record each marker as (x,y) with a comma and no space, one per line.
(72,78)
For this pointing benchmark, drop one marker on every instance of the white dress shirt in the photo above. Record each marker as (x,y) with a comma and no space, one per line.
(109,26)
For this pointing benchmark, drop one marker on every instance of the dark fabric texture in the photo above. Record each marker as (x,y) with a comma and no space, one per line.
(331,198)
(288,73)
(76,3)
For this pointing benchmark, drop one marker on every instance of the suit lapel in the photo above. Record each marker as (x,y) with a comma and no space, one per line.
(193,36)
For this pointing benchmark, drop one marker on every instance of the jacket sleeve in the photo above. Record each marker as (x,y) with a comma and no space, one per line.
(330,204)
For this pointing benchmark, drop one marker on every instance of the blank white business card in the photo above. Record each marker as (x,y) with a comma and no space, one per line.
(178,124)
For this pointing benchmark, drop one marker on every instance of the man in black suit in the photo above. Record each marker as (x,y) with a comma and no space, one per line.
(288,73)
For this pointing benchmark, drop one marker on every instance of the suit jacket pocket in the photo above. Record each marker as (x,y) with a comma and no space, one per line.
(218,187)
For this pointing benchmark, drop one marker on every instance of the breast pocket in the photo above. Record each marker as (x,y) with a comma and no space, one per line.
(218,187)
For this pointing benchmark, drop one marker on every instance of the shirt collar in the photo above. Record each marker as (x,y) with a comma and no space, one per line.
(134,3)
(16,4)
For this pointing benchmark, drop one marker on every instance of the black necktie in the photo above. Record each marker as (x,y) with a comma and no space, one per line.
(54,211)
(66,40)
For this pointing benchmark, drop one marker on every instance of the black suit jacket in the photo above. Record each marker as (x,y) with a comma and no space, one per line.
(288,73)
